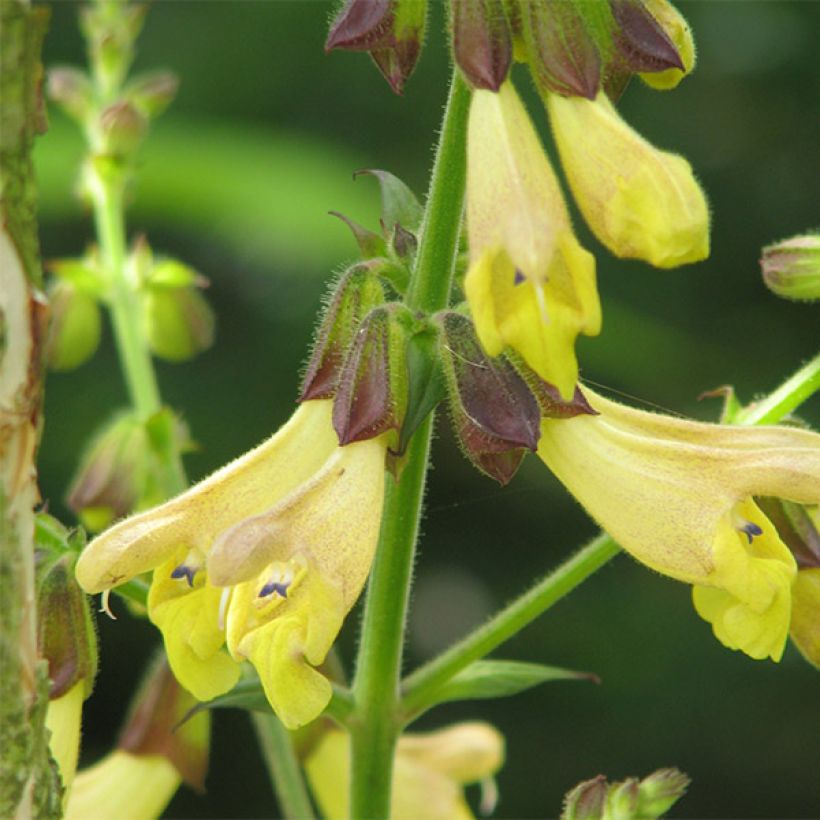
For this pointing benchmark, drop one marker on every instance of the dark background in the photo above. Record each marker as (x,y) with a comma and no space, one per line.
(237,178)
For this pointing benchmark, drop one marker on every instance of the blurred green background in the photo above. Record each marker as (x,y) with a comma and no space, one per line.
(237,179)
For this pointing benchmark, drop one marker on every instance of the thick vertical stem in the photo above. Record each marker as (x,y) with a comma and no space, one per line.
(374,727)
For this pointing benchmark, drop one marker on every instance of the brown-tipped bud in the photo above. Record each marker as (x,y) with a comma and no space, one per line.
(122,128)
(179,322)
(586,800)
(482,42)
(374,382)
(562,55)
(640,40)
(680,34)
(495,416)
(117,474)
(370,243)
(71,89)
(154,726)
(550,402)
(623,799)
(357,292)
(152,93)
(791,268)
(391,30)
(65,629)
(74,328)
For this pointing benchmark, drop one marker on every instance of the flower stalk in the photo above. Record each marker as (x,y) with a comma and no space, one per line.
(374,724)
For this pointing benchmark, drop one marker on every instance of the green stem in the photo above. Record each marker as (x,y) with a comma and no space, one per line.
(786,398)
(421,687)
(374,724)
(277,748)
(133,350)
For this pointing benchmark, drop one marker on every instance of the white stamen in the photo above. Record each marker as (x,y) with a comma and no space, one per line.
(224,598)
(105,606)
(489,796)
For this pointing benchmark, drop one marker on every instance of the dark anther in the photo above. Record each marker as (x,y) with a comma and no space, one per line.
(274,586)
(184,571)
(519,277)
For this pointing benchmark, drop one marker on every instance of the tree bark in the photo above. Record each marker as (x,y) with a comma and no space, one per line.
(29,785)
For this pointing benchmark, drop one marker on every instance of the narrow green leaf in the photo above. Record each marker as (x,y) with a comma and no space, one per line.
(498,679)
(399,203)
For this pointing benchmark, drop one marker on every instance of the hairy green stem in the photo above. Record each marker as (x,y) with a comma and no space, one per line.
(286,776)
(421,687)
(786,398)
(374,723)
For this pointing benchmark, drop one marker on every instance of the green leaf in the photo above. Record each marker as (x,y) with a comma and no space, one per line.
(499,679)
(247,694)
(399,203)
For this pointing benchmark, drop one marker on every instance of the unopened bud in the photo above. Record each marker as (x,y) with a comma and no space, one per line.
(586,800)
(791,268)
(495,416)
(65,630)
(679,33)
(122,128)
(152,93)
(71,89)
(659,791)
(391,30)
(563,57)
(74,329)
(482,42)
(622,800)
(357,292)
(371,397)
(117,474)
(179,322)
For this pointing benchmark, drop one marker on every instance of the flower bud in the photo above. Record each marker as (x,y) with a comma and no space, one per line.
(118,473)
(152,93)
(391,30)
(679,33)
(71,89)
(75,327)
(640,202)
(122,128)
(495,417)
(372,393)
(791,268)
(482,42)
(179,322)
(586,800)
(357,292)
(659,791)
(641,41)
(563,57)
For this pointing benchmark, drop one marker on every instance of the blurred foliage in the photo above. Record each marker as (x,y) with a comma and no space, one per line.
(237,180)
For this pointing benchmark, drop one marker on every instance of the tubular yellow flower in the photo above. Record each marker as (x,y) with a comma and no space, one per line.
(530,285)
(677,495)
(639,201)
(430,771)
(63,720)
(288,530)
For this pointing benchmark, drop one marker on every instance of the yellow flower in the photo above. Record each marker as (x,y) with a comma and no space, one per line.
(805,625)
(678,495)
(530,285)
(639,201)
(275,546)
(124,785)
(429,772)
(64,720)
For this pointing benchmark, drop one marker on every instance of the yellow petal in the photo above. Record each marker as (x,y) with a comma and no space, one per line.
(245,487)
(63,720)
(189,621)
(805,625)
(125,786)
(639,201)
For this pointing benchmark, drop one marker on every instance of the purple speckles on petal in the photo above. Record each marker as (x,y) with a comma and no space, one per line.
(279,587)
(185,571)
